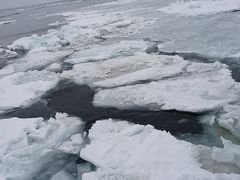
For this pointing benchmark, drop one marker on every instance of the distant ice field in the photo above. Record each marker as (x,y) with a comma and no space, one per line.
(21,3)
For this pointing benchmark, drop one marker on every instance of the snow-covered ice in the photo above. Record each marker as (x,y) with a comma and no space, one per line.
(106,44)
(125,151)
(103,52)
(170,79)
(126,70)
(13,127)
(24,88)
(195,87)
(39,152)
(201,7)
(35,59)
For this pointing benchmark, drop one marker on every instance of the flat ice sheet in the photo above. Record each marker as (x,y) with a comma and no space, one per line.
(24,88)
(12,128)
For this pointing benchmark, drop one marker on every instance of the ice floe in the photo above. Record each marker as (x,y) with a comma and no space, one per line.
(103,52)
(13,127)
(174,83)
(125,151)
(126,70)
(185,86)
(200,7)
(24,88)
(35,59)
(39,153)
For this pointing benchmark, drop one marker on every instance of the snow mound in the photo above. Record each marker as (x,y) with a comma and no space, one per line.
(24,88)
(200,7)
(35,59)
(103,52)
(229,119)
(179,85)
(125,151)
(39,152)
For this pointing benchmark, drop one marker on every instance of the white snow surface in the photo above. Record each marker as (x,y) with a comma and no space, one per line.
(24,88)
(39,152)
(200,7)
(103,52)
(11,128)
(120,150)
(126,70)
(125,151)
(176,84)
(35,59)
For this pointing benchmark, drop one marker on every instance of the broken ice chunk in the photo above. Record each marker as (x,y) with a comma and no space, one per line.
(97,53)
(199,87)
(24,88)
(126,70)
(35,59)
(229,119)
(41,156)
(121,150)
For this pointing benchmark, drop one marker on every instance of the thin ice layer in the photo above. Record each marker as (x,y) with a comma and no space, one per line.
(230,153)
(24,88)
(125,151)
(126,70)
(201,7)
(39,152)
(201,87)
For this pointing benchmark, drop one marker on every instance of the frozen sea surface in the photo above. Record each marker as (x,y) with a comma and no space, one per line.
(171,64)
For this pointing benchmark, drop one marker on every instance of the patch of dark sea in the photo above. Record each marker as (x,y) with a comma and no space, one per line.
(76,100)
